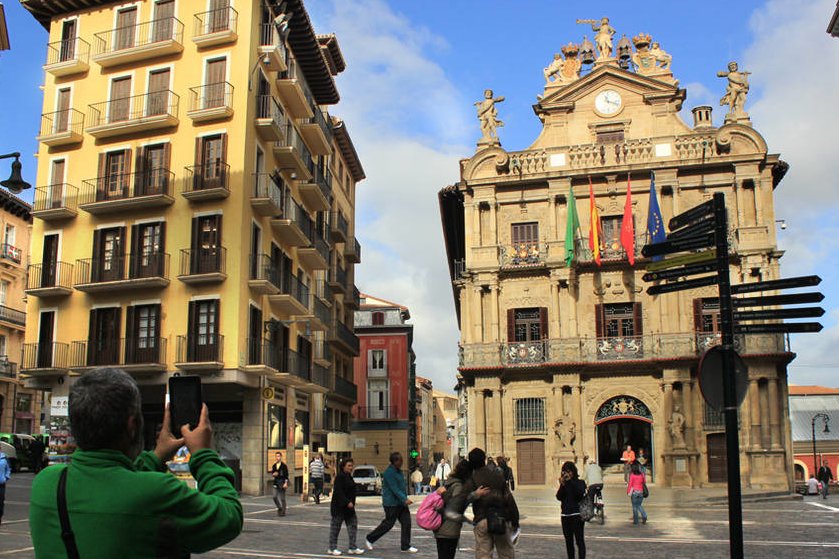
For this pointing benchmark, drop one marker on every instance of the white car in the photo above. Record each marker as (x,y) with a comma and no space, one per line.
(367,479)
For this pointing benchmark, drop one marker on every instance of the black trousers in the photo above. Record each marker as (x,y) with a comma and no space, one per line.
(2,498)
(447,547)
(572,529)
(392,514)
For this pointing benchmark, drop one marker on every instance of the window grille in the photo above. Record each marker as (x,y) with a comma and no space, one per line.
(530,416)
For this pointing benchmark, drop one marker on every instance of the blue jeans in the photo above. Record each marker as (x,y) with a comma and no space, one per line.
(637,499)
(417,487)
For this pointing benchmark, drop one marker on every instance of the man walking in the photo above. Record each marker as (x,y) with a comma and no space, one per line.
(36,454)
(496,516)
(316,477)
(628,457)
(5,474)
(395,502)
(442,472)
(279,471)
(825,476)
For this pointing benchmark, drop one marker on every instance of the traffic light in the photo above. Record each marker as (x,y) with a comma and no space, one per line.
(413,453)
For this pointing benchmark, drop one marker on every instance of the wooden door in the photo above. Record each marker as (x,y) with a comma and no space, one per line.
(114,176)
(212,168)
(158,99)
(152,170)
(164,20)
(206,248)
(203,342)
(530,460)
(147,255)
(124,37)
(62,116)
(108,256)
(255,353)
(256,257)
(55,199)
(717,461)
(120,105)
(49,261)
(215,83)
(68,41)
(219,16)
(103,337)
(45,340)
(142,334)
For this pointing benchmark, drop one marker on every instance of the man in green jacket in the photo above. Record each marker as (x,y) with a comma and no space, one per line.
(122,502)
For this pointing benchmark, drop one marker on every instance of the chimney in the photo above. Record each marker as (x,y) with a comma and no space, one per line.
(702,117)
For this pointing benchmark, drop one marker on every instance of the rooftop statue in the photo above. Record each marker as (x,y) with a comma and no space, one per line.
(565,70)
(603,36)
(488,117)
(649,60)
(735,92)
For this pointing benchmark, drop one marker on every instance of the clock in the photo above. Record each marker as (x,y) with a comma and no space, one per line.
(608,102)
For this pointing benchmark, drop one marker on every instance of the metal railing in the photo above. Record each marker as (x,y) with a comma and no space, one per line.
(345,388)
(375,412)
(197,261)
(44,356)
(49,274)
(8,314)
(211,96)
(293,139)
(321,311)
(56,197)
(523,254)
(356,297)
(125,110)
(146,350)
(291,285)
(268,185)
(138,35)
(200,348)
(354,248)
(122,267)
(124,186)
(323,123)
(270,37)
(346,336)
(520,353)
(459,268)
(267,106)
(207,176)
(322,350)
(262,267)
(68,50)
(215,21)
(7,368)
(297,365)
(11,252)
(322,177)
(295,212)
(60,122)
(339,223)
(320,375)
(319,245)
(339,275)
(265,352)
(294,73)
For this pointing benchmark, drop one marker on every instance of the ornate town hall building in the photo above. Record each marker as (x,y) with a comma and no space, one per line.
(563,353)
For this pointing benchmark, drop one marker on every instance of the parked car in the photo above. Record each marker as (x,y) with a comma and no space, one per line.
(367,479)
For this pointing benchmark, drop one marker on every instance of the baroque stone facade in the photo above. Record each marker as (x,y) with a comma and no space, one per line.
(562,356)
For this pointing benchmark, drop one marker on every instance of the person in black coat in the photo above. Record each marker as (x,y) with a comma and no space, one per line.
(342,508)
(571,491)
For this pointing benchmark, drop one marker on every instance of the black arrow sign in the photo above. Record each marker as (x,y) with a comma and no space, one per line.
(698,228)
(771,300)
(804,312)
(786,283)
(789,327)
(678,245)
(692,215)
(680,272)
(681,285)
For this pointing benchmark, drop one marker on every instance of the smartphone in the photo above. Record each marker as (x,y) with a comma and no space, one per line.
(185,402)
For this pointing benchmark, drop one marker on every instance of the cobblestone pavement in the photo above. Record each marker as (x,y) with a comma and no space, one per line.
(681,525)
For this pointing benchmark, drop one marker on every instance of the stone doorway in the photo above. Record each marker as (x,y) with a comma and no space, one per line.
(621,421)
(530,459)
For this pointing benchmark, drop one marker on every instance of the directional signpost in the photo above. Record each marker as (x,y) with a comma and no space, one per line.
(703,226)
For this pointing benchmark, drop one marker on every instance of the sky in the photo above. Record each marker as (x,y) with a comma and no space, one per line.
(414,70)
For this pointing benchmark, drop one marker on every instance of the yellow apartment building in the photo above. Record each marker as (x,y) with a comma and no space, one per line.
(195,214)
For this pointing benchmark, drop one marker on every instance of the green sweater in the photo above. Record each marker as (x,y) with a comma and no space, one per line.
(139,510)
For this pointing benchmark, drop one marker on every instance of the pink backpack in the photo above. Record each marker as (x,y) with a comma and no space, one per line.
(428,514)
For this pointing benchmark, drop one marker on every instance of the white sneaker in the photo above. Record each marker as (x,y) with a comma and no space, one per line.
(334,552)
(355,551)
(367,544)
(411,549)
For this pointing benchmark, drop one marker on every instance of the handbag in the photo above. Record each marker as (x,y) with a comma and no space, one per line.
(645,492)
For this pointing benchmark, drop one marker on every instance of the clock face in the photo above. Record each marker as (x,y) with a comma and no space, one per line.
(608,102)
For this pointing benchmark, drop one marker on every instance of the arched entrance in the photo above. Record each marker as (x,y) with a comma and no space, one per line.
(620,421)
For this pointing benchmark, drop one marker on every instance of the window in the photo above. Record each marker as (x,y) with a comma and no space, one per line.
(206,245)
(377,362)
(203,340)
(378,318)
(3,354)
(610,243)
(301,428)
(119,106)
(103,336)
(152,170)
(211,162)
(527,325)
(618,320)
(24,403)
(114,178)
(706,315)
(377,399)
(108,257)
(4,291)
(62,117)
(142,334)
(214,80)
(126,28)
(526,234)
(276,426)
(147,253)
(11,235)
(157,102)
(530,416)
(68,40)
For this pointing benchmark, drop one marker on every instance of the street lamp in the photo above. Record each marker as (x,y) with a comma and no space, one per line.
(15,182)
(825,419)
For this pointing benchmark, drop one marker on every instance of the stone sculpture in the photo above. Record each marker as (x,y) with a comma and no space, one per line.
(603,36)
(735,92)
(488,117)
(677,428)
(566,431)
(649,58)
(564,70)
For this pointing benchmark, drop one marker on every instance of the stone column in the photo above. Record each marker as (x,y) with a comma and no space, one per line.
(764,419)
(754,414)
(476,314)
(573,303)
(577,414)
(465,331)
(774,419)
(551,232)
(476,225)
(480,418)
(493,304)
(667,411)
(553,310)
(253,460)
(493,220)
(498,411)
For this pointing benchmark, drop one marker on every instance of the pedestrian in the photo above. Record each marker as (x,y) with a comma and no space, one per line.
(491,464)
(643,460)
(316,477)
(571,491)
(507,471)
(635,490)
(813,485)
(442,472)
(825,476)
(593,476)
(36,454)
(112,500)
(5,474)
(416,480)
(395,501)
(342,509)
(628,457)
(279,471)
(456,498)
(495,514)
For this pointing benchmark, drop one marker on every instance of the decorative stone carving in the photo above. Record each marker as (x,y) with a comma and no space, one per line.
(649,59)
(677,428)
(488,117)
(565,70)
(566,431)
(735,93)
(603,37)
(623,406)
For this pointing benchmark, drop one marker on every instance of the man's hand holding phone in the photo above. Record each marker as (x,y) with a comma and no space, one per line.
(167,445)
(201,436)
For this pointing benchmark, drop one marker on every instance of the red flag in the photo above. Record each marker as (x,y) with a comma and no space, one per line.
(595,231)
(627,226)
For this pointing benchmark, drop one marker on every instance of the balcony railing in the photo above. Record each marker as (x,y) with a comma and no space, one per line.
(61,127)
(344,335)
(375,412)
(10,252)
(297,365)
(47,356)
(201,261)
(207,178)
(263,268)
(320,375)
(271,45)
(124,115)
(210,101)
(291,285)
(14,316)
(215,26)
(521,353)
(267,195)
(141,40)
(353,301)
(68,56)
(321,312)
(339,227)
(7,368)
(56,201)
(137,352)
(338,279)
(352,251)
(346,389)
(200,348)
(122,268)
(317,192)
(325,127)
(523,254)
(322,351)
(125,187)
(291,153)
(50,276)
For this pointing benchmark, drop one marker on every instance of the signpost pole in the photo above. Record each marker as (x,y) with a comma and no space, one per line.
(735,511)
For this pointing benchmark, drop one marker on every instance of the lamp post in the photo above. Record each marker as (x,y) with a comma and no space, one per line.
(825,419)
(15,182)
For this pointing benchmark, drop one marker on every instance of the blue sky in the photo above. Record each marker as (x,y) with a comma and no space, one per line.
(415,68)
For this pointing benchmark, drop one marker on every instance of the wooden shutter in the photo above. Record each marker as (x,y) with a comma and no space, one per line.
(598,321)
(141,181)
(125,179)
(130,335)
(223,167)
(638,322)
(101,178)
(135,251)
(511,325)
(543,322)
(697,315)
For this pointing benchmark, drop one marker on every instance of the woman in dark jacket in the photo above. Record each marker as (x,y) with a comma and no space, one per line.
(456,499)
(343,509)
(571,491)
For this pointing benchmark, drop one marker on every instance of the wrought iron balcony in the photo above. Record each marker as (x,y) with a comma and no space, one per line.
(293,225)
(140,41)
(620,347)
(297,368)
(208,181)
(293,298)
(317,192)
(119,272)
(322,315)
(45,359)
(339,228)
(56,202)
(352,251)
(50,279)
(270,121)
(129,115)
(215,27)
(292,154)
(524,353)
(345,338)
(317,131)
(12,316)
(67,57)
(322,352)
(137,355)
(200,351)
(7,368)
(61,128)
(373,413)
(523,255)
(210,102)
(346,389)
(264,357)
(271,47)
(321,378)
(264,278)
(353,301)
(127,191)
(267,194)
(294,91)
(459,268)
(11,252)
(338,279)
(315,256)
(203,265)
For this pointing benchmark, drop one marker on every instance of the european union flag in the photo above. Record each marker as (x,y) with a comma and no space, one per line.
(655,225)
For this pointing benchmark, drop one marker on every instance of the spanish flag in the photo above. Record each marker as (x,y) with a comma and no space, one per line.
(596,230)
(627,225)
